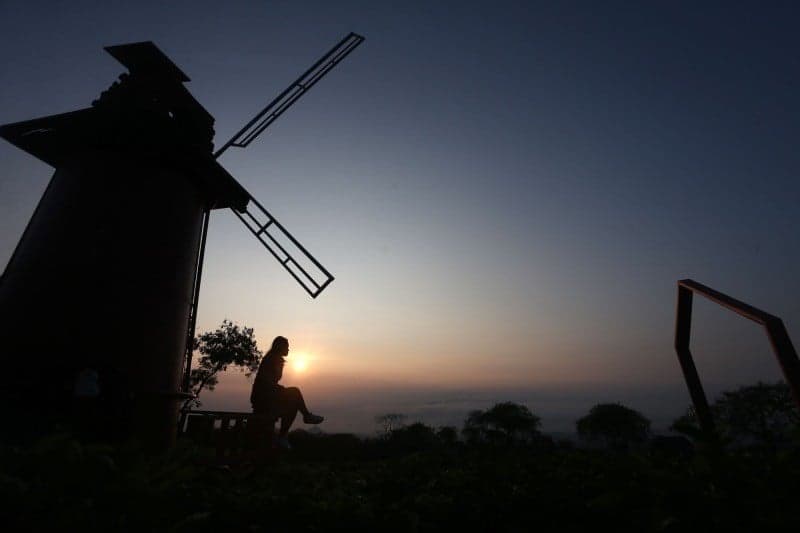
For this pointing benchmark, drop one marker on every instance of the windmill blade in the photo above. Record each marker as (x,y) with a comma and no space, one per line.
(303,266)
(292,93)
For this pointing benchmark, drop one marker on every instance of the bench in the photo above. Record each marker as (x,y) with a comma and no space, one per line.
(233,434)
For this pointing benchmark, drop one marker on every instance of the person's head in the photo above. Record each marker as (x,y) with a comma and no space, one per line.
(280,346)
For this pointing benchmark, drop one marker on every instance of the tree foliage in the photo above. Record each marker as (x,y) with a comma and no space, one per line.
(761,414)
(390,422)
(615,425)
(228,345)
(505,422)
(416,436)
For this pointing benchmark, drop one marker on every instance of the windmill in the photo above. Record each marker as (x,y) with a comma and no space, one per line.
(105,280)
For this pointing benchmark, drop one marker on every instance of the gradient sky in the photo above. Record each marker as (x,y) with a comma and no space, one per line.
(506,192)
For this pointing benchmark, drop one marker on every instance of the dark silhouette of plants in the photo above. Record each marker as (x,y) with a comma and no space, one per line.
(504,423)
(761,414)
(688,425)
(447,435)
(342,482)
(614,425)
(413,437)
(228,345)
(390,422)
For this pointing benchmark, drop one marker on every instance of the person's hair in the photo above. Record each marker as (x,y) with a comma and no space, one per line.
(278,344)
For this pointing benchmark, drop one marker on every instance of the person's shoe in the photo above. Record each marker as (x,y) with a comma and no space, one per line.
(283,443)
(311,418)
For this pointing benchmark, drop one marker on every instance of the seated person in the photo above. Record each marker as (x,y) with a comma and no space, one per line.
(276,401)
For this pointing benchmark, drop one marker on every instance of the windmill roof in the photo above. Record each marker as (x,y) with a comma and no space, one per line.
(147,115)
(59,139)
(145,57)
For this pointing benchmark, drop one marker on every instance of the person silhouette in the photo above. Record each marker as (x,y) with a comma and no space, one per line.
(273,401)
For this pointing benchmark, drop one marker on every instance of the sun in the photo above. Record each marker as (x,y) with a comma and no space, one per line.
(299,362)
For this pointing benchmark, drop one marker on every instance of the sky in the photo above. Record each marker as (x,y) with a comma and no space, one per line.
(506,192)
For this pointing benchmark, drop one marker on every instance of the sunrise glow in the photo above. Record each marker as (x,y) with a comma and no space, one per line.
(299,362)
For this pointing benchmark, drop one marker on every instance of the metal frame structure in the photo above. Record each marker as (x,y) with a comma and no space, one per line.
(776,332)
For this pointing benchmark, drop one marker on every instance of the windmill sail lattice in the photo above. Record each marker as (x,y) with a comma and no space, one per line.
(303,266)
(308,272)
(292,93)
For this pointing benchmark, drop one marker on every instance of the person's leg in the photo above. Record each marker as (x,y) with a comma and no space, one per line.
(299,401)
(287,419)
(308,416)
(292,401)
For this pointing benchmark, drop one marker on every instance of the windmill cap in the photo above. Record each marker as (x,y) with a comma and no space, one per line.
(145,58)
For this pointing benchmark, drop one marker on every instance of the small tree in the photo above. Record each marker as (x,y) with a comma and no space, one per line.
(473,430)
(227,345)
(763,414)
(390,422)
(615,425)
(505,422)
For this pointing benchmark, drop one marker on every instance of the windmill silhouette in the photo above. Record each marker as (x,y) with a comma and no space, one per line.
(107,273)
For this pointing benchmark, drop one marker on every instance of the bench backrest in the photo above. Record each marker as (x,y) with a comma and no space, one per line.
(231,433)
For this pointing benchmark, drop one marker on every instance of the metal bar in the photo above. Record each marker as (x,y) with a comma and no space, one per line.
(248,138)
(187,370)
(289,256)
(256,223)
(737,306)
(683,325)
(280,260)
(317,287)
(291,98)
(291,238)
(786,354)
(261,126)
(332,63)
(277,245)
(235,212)
(311,280)
(263,228)
(325,284)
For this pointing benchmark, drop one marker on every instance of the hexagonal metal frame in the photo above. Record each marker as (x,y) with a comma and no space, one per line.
(776,332)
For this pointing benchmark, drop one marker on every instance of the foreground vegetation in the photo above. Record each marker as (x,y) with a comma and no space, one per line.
(396,484)
(498,473)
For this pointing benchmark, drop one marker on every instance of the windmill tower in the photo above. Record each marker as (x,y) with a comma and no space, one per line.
(105,280)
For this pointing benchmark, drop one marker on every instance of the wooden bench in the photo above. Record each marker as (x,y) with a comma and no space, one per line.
(238,434)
